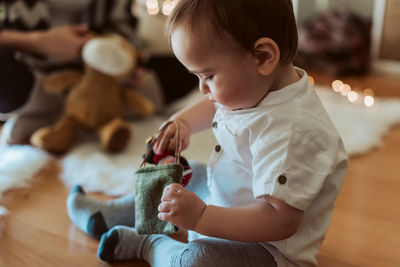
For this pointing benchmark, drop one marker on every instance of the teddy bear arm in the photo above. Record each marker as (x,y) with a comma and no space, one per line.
(139,103)
(61,80)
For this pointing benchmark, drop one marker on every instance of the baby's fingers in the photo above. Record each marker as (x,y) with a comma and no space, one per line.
(164,207)
(164,216)
(172,192)
(165,210)
(164,141)
(172,144)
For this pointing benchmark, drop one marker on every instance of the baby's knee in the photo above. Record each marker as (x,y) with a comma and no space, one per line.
(197,253)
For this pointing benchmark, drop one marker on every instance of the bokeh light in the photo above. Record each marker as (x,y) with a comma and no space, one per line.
(369,101)
(311,80)
(167,7)
(336,85)
(153,11)
(368,92)
(352,96)
(153,6)
(345,89)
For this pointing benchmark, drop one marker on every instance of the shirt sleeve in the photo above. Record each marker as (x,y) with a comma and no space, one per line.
(293,166)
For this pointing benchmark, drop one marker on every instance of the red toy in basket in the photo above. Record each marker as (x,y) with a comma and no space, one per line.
(169,158)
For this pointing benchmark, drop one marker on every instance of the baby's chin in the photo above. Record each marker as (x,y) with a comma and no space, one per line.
(209,96)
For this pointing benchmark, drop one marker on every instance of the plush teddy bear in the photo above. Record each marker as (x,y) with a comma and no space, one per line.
(96,98)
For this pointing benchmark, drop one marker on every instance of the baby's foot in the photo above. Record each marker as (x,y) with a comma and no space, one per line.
(96,217)
(121,243)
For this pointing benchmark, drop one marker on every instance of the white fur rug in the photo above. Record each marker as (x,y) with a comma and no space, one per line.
(18,164)
(361,128)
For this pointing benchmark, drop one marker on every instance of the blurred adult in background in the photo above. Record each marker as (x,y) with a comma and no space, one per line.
(38,37)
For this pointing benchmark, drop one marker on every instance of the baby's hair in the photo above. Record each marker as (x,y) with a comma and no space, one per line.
(245,21)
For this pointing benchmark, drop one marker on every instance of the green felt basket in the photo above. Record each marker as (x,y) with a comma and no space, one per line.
(150,185)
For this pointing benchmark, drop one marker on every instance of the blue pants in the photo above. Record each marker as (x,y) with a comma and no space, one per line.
(161,250)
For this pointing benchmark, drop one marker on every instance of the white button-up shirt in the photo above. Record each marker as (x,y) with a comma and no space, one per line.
(288,148)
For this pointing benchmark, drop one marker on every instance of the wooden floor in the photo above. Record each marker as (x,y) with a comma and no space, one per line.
(365,229)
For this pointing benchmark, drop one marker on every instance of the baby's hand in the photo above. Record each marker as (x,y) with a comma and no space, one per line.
(167,141)
(181,207)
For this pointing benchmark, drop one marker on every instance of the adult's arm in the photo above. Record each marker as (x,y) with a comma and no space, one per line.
(62,43)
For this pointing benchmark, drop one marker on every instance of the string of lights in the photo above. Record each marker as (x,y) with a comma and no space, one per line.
(353,96)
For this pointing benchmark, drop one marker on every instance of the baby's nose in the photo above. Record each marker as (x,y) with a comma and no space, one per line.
(204,89)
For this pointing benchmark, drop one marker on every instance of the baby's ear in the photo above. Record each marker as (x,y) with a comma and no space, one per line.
(267,54)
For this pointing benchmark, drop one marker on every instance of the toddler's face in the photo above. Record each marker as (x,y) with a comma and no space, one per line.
(228,77)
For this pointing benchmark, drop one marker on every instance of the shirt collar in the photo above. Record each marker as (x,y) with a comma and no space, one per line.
(277,97)
(287,93)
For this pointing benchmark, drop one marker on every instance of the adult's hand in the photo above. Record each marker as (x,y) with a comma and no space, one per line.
(63,43)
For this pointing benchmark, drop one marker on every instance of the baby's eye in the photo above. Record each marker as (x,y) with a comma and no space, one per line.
(209,78)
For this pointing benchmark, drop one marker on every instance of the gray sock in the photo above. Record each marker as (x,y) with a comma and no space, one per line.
(121,243)
(96,217)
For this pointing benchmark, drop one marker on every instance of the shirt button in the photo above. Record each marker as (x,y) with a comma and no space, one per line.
(217,148)
(282,179)
(215,125)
